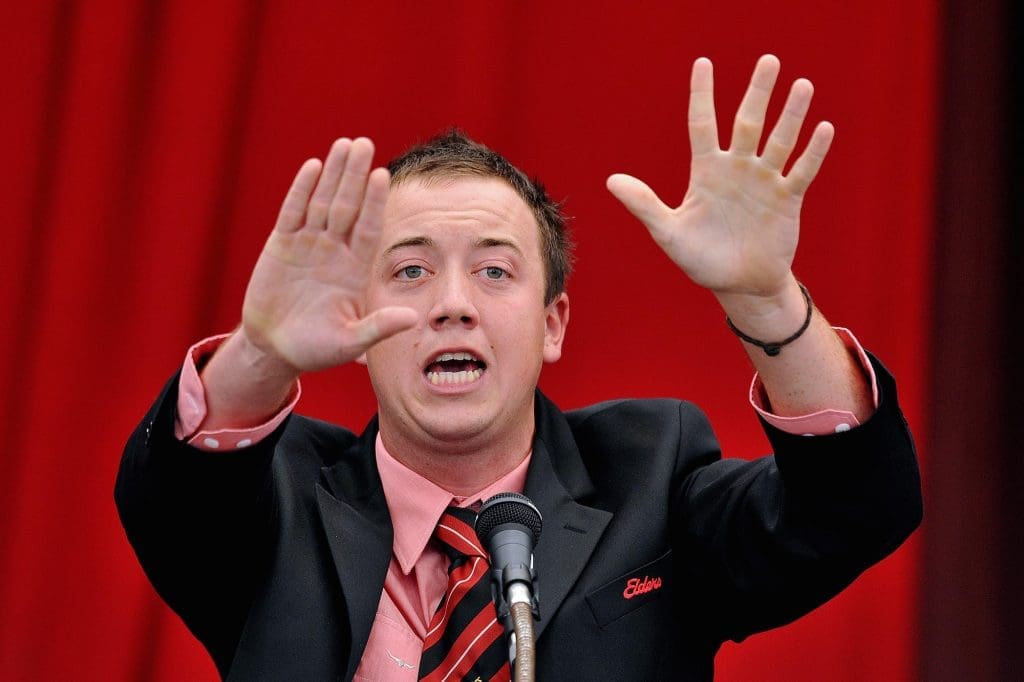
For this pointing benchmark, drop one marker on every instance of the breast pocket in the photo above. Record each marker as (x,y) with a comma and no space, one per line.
(631,590)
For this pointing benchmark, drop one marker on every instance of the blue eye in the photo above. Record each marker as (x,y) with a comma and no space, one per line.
(411,272)
(494,272)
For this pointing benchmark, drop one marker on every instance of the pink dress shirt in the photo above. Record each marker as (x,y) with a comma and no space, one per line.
(417,575)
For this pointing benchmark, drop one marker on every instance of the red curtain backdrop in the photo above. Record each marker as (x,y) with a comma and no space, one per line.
(148,146)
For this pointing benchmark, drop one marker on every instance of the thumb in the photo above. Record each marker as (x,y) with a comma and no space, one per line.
(637,197)
(382,323)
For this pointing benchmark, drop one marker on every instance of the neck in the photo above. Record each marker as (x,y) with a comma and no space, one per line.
(461,467)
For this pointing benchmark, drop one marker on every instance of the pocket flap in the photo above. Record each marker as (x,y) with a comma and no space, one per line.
(631,590)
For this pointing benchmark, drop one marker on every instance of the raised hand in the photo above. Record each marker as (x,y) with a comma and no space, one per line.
(303,305)
(737,229)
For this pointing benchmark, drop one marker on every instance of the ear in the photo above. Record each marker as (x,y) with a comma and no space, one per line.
(556,320)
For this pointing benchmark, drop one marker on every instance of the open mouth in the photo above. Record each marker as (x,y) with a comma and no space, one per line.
(455,368)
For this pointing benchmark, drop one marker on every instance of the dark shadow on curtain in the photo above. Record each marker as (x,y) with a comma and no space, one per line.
(973,619)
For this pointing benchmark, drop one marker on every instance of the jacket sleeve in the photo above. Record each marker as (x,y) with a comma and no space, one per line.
(772,539)
(200,523)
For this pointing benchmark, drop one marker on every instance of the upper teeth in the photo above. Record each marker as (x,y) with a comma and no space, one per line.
(454,356)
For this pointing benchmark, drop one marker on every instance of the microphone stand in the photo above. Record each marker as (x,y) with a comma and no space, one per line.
(509,525)
(522,626)
(517,613)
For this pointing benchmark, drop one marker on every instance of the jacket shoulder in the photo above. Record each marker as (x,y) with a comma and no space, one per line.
(640,418)
(632,406)
(327,442)
(662,434)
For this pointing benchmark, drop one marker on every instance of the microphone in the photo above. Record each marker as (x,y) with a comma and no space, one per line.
(508,525)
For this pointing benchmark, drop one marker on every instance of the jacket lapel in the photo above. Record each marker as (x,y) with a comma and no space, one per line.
(355,518)
(358,526)
(570,532)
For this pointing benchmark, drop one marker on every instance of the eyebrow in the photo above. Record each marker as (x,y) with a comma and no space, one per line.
(490,242)
(485,243)
(410,241)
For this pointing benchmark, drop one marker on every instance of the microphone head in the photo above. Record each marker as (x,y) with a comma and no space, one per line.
(506,508)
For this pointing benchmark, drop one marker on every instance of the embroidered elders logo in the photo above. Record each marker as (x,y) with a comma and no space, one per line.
(635,586)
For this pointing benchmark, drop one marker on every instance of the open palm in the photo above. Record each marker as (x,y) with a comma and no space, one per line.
(304,300)
(738,226)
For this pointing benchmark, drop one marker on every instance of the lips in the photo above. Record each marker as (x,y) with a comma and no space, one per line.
(455,367)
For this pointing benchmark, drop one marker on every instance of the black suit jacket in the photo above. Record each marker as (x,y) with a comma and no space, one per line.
(275,556)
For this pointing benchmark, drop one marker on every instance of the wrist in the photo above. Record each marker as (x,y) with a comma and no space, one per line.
(244,385)
(770,317)
(244,355)
(773,348)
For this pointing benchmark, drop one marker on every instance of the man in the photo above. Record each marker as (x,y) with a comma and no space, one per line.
(295,549)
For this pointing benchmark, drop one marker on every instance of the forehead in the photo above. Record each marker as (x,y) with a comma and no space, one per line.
(435,207)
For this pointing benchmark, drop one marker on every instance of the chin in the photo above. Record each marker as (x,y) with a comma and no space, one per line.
(456,429)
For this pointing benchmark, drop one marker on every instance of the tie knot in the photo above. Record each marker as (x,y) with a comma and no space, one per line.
(456,534)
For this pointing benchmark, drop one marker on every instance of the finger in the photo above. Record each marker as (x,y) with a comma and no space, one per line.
(749,121)
(366,231)
(806,167)
(293,209)
(349,195)
(380,324)
(319,204)
(638,198)
(783,138)
(701,117)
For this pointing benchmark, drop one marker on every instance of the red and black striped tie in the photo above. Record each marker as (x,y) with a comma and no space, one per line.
(464,639)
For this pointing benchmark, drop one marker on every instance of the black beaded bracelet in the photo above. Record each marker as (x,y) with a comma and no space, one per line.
(773,349)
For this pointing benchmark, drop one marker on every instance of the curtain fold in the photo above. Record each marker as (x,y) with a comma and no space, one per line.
(149,146)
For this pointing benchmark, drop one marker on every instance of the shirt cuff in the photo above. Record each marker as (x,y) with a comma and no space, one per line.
(192,407)
(824,421)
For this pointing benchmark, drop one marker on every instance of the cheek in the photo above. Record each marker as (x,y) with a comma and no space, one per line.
(387,358)
(523,340)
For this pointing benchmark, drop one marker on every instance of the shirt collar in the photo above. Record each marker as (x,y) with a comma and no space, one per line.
(416,504)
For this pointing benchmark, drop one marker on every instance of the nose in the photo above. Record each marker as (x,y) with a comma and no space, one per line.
(454,303)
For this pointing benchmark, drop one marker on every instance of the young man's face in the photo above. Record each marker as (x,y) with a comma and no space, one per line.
(464,253)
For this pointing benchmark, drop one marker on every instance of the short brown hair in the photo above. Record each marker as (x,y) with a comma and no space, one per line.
(454,154)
